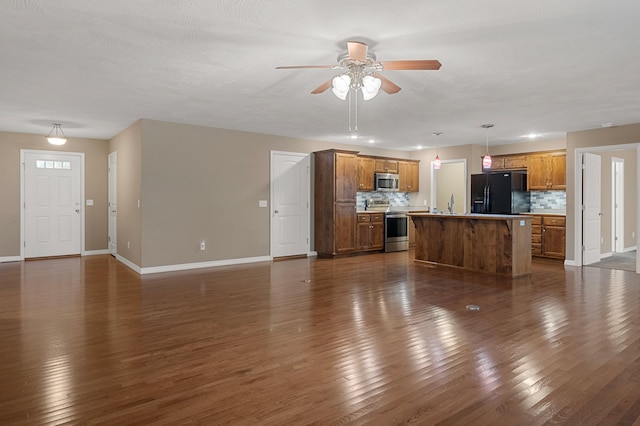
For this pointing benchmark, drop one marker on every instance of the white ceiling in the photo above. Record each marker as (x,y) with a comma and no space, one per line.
(545,66)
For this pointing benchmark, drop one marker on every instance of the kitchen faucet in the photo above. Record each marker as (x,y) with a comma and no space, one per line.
(450,205)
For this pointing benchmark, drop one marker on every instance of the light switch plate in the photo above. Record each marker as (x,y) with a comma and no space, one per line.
(89,202)
(262,203)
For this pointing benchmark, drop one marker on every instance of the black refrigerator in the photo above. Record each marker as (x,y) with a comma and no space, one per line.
(500,193)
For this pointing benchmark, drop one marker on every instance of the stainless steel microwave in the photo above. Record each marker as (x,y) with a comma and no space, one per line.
(387,182)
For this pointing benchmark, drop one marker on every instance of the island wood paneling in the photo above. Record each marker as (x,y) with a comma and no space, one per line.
(485,243)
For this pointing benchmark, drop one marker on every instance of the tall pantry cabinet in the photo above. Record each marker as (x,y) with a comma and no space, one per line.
(335,187)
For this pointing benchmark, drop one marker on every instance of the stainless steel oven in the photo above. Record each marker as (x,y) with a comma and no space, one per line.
(396,231)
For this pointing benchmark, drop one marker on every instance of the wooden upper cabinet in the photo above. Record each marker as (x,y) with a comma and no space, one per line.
(365,173)
(409,173)
(497,163)
(383,165)
(346,177)
(559,171)
(547,171)
(508,162)
(515,162)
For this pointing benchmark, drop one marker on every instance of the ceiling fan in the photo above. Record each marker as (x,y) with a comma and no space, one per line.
(361,71)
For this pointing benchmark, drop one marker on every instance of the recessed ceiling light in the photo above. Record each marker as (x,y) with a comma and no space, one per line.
(532,135)
(354,136)
(607,124)
(419,147)
(372,141)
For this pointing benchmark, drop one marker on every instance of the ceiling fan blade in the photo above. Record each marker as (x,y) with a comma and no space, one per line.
(357,51)
(324,86)
(304,66)
(425,64)
(387,85)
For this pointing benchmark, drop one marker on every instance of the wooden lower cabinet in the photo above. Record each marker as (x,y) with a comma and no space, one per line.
(370,233)
(548,236)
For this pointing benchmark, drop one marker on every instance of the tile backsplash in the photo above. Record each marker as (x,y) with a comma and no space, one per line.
(556,200)
(394,198)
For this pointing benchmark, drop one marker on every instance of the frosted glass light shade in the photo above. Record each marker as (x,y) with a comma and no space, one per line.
(340,86)
(370,87)
(437,163)
(486,162)
(56,136)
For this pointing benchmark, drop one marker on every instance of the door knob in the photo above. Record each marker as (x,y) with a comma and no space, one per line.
(275,211)
(77,210)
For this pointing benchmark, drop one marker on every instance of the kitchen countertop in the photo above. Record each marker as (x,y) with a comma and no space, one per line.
(481,216)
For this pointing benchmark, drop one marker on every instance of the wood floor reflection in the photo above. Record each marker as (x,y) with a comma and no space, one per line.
(372,339)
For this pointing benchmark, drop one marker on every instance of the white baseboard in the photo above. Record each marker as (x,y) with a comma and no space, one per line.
(128,263)
(629,249)
(199,265)
(10,259)
(312,254)
(95,252)
(568,262)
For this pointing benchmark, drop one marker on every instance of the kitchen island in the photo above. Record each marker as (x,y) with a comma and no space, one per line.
(495,244)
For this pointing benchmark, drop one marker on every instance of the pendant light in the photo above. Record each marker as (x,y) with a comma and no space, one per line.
(437,163)
(486,160)
(56,136)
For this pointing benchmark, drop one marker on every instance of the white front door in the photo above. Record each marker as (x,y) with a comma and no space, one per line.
(592,213)
(290,215)
(52,220)
(113,211)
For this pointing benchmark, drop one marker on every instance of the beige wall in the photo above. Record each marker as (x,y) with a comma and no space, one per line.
(95,155)
(201,183)
(620,135)
(128,146)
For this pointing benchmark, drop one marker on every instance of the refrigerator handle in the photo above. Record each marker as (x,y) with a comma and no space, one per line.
(488,205)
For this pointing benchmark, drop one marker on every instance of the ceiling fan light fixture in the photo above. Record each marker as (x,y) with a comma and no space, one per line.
(340,86)
(56,136)
(370,87)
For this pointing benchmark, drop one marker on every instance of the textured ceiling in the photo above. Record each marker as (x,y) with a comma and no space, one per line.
(543,66)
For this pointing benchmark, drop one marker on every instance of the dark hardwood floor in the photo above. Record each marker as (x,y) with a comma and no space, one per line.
(371,339)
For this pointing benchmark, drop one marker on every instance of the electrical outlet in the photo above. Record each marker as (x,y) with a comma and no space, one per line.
(425,202)
(203,246)
(128,244)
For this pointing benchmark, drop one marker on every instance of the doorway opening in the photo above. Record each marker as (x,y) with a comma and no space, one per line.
(582,231)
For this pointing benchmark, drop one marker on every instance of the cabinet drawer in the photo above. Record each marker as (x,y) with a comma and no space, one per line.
(364,217)
(536,229)
(536,249)
(377,217)
(554,220)
(537,220)
(536,239)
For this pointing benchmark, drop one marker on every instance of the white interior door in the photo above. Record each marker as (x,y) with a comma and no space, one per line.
(290,214)
(52,204)
(617,216)
(113,210)
(592,211)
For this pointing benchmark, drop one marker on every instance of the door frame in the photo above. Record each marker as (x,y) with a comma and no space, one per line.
(579,154)
(617,198)
(112,180)
(23,152)
(466,185)
(307,159)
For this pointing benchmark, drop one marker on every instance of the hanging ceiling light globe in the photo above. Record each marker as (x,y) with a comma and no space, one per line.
(56,136)
(486,160)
